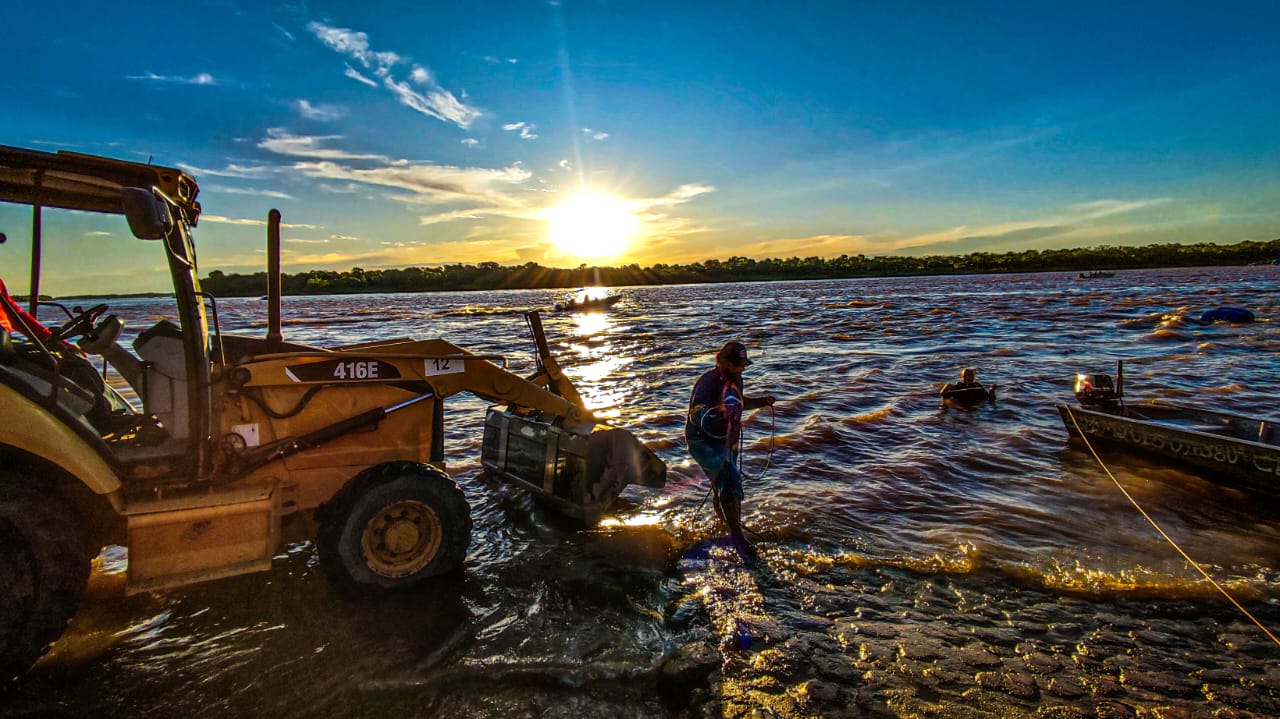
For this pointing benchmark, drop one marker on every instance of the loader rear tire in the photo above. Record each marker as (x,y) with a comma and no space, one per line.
(44,568)
(394,526)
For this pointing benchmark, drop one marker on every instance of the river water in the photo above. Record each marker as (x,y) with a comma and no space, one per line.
(915,561)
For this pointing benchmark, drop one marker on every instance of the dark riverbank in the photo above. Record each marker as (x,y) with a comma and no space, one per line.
(532,276)
(488,276)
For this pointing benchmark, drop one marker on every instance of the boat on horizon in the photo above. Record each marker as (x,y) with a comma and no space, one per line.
(588,300)
(1096,275)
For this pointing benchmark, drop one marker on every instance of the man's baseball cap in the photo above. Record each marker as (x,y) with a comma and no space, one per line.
(733,352)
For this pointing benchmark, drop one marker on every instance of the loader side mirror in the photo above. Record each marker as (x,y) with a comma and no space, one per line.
(148,215)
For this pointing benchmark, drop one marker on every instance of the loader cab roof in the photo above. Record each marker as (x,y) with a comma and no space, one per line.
(72,181)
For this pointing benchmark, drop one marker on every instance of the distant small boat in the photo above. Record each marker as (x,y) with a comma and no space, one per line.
(1230,449)
(585,302)
(1096,275)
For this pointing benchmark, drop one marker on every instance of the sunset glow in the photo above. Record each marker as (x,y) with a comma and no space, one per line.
(590,225)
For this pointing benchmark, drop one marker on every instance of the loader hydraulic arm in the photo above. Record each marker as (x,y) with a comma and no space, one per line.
(450,370)
(496,384)
(549,373)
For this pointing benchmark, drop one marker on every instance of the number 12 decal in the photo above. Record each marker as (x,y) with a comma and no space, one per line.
(445,365)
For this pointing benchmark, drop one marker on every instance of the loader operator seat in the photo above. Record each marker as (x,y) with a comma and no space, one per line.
(163,385)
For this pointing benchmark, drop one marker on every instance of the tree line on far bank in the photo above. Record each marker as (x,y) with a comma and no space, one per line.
(491,275)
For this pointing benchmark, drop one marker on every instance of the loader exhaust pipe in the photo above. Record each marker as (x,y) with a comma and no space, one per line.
(273,277)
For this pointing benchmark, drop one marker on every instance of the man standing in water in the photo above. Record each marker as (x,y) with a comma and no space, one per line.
(967,392)
(713,429)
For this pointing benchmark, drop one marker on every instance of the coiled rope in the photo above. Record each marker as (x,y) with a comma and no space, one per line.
(1167,538)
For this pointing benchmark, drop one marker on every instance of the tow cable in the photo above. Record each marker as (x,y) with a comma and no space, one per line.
(1167,538)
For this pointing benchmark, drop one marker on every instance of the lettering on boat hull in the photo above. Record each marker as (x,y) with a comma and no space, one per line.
(1246,460)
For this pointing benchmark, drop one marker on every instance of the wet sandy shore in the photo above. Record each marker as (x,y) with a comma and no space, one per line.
(891,643)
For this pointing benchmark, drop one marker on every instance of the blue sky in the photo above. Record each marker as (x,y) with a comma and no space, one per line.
(414,133)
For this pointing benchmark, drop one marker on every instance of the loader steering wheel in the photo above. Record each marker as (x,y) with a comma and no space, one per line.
(79,324)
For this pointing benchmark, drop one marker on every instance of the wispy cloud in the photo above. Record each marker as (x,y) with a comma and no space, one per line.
(97,233)
(596,135)
(492,60)
(282,142)
(479,213)
(275,194)
(1100,220)
(252,223)
(244,172)
(470,142)
(349,188)
(812,246)
(678,196)
(428,182)
(202,78)
(902,161)
(321,112)
(356,45)
(425,182)
(421,92)
(354,74)
(661,226)
(1073,219)
(527,130)
(433,100)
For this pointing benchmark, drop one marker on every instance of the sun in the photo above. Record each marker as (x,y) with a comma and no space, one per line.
(591,225)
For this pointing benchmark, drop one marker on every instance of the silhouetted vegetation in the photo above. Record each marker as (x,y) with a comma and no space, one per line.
(491,275)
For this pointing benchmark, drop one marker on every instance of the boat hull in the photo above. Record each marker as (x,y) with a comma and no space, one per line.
(1230,449)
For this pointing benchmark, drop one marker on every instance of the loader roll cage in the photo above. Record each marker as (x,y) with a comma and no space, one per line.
(72,181)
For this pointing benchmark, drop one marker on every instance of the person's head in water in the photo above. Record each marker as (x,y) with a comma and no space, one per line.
(732,357)
(968,375)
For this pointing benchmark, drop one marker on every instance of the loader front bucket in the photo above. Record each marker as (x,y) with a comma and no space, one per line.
(577,475)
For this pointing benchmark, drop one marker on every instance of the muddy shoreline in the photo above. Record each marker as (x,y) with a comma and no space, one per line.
(891,643)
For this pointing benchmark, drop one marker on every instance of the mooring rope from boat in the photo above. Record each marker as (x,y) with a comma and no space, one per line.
(1166,536)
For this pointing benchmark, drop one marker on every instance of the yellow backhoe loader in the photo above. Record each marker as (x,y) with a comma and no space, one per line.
(243,443)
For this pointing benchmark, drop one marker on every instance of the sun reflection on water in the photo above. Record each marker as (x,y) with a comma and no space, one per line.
(590,324)
(599,363)
(644,519)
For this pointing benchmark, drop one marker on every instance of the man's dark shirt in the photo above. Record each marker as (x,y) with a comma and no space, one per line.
(715,409)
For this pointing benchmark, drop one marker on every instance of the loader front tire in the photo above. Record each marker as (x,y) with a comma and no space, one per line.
(394,526)
(44,568)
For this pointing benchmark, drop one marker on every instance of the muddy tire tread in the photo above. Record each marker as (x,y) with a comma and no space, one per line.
(334,516)
(54,536)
